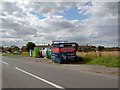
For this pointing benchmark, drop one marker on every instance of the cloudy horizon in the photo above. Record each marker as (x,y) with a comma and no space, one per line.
(92,23)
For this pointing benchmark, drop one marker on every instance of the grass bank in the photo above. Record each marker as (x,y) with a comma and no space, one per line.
(21,54)
(109,59)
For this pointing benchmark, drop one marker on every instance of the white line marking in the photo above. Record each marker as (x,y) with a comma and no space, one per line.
(4,62)
(55,85)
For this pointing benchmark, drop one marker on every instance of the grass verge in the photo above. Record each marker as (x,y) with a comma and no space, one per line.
(106,61)
(22,54)
(110,60)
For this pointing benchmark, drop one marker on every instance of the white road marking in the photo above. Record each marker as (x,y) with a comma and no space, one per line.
(48,82)
(4,62)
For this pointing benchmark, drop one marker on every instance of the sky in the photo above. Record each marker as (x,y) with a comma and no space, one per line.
(92,23)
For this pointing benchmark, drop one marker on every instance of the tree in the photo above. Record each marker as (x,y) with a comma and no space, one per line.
(10,50)
(1,49)
(30,45)
(101,48)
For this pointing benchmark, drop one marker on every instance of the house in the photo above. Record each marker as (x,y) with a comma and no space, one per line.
(86,48)
(24,48)
(112,49)
(42,46)
(14,48)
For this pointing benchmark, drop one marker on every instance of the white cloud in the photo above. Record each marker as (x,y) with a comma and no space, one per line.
(103,23)
(20,26)
(51,8)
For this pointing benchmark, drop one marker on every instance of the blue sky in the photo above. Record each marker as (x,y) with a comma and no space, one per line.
(72,14)
(38,15)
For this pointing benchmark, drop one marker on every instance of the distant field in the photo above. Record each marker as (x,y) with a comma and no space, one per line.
(109,59)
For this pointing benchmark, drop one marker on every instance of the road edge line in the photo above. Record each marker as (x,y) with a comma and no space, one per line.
(48,82)
(4,62)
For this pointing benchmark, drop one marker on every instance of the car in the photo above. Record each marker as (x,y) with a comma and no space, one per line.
(16,52)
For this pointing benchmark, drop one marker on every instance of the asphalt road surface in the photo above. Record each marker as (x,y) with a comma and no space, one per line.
(24,72)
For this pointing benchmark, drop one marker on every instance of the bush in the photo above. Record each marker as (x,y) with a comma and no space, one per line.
(78,59)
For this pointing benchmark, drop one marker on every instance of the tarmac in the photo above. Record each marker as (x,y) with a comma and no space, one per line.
(84,67)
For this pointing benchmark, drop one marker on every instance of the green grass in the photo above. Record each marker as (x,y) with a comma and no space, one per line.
(22,54)
(8,54)
(109,61)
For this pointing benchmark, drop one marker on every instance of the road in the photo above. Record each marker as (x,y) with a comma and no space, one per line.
(24,72)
